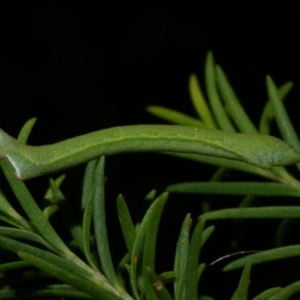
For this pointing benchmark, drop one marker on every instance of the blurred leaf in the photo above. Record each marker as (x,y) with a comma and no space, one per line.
(283,121)
(277,212)
(265,256)
(266,295)
(13,266)
(235,188)
(45,292)
(242,291)
(268,113)
(287,292)
(200,103)
(175,117)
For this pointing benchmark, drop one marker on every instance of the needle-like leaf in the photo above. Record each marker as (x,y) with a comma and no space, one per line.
(100,224)
(25,131)
(154,210)
(236,111)
(181,255)
(265,256)
(241,292)
(60,272)
(266,295)
(33,211)
(287,292)
(127,226)
(235,188)
(283,121)
(175,117)
(191,280)
(271,212)
(213,95)
(88,182)
(268,112)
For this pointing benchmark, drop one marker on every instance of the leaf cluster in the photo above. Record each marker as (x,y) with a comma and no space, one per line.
(84,267)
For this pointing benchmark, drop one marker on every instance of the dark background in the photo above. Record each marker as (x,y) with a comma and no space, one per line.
(83,66)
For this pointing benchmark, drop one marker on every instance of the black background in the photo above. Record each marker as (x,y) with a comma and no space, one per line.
(83,66)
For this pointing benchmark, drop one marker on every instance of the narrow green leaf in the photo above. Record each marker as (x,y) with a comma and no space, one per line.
(241,292)
(88,182)
(50,210)
(264,256)
(287,292)
(86,230)
(33,211)
(155,209)
(13,266)
(268,113)
(235,188)
(236,111)
(62,274)
(67,214)
(14,217)
(266,295)
(204,297)
(150,239)
(191,280)
(200,103)
(213,95)
(34,293)
(24,235)
(70,264)
(11,222)
(181,256)
(175,117)
(206,234)
(200,270)
(151,196)
(100,224)
(25,131)
(285,126)
(283,121)
(270,212)
(126,223)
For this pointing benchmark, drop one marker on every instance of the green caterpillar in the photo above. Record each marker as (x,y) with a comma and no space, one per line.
(32,161)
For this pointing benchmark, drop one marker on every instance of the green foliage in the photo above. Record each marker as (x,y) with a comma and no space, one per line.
(84,268)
